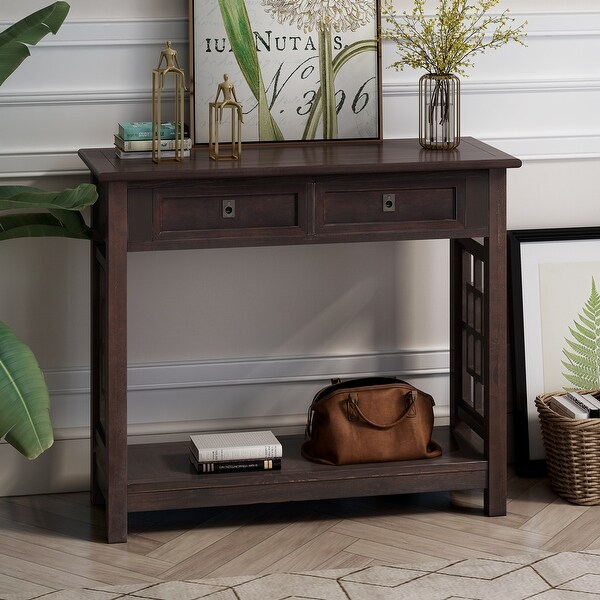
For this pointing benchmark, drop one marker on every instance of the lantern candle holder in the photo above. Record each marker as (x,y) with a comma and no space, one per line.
(160,76)
(229,101)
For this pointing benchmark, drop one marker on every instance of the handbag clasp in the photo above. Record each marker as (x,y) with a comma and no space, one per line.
(352,406)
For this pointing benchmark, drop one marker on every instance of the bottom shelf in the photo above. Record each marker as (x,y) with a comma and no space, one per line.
(161,477)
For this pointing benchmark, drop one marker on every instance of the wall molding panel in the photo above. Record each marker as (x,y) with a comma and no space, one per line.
(119,32)
(41,100)
(108,74)
(180,386)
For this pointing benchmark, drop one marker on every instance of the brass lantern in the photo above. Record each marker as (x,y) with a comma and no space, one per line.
(229,102)
(160,76)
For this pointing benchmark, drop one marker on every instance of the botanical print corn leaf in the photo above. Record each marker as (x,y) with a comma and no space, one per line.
(239,32)
(294,73)
(582,352)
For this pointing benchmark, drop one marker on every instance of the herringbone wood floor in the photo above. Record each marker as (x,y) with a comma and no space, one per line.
(56,542)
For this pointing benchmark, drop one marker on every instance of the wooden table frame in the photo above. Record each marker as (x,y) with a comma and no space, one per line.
(305,194)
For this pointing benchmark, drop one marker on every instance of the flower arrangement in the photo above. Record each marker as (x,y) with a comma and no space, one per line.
(444,45)
(447,41)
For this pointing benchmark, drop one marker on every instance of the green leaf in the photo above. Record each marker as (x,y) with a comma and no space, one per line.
(20,196)
(63,218)
(30,30)
(582,339)
(583,361)
(310,129)
(577,348)
(43,225)
(24,400)
(327,86)
(240,35)
(72,222)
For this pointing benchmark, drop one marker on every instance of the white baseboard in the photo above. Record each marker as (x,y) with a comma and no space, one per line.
(62,468)
(248,384)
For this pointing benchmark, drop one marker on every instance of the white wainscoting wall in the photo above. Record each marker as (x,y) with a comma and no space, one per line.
(244,337)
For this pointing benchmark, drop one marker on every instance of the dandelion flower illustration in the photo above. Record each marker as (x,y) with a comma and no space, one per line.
(323,16)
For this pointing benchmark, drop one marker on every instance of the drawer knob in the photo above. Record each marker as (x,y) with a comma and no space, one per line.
(228,209)
(389,202)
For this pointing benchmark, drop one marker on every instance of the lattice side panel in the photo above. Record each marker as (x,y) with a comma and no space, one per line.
(473,340)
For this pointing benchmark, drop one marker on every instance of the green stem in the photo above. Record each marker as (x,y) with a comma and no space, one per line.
(310,130)
(330,125)
(239,33)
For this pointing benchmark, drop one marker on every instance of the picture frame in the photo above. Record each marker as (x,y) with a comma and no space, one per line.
(296,81)
(552,275)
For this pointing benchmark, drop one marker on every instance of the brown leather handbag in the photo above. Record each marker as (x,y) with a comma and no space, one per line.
(372,419)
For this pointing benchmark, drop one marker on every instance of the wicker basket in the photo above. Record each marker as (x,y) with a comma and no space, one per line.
(572,453)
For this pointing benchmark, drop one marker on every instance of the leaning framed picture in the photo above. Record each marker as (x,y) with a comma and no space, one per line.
(299,72)
(555,315)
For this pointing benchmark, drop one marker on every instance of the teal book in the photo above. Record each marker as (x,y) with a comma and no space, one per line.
(142,130)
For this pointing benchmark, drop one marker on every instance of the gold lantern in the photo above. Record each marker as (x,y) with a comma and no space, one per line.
(160,76)
(229,101)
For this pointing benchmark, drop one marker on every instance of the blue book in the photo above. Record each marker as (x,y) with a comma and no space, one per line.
(142,130)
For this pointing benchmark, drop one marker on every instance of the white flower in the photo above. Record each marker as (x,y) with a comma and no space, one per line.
(323,15)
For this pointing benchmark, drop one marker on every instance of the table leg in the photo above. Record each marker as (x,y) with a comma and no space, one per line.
(496,364)
(109,358)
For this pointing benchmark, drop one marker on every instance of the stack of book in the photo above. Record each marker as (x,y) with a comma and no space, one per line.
(576,405)
(235,452)
(134,140)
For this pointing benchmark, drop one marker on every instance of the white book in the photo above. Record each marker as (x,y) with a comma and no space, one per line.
(592,399)
(146,145)
(566,407)
(211,447)
(163,154)
(584,403)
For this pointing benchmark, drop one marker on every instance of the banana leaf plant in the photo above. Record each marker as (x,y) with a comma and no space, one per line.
(24,399)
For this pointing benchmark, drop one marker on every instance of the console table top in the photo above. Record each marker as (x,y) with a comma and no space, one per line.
(317,158)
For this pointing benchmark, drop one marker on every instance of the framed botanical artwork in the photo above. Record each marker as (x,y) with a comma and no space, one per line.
(555,310)
(301,71)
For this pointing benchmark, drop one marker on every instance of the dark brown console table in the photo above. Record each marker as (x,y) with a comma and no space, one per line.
(305,194)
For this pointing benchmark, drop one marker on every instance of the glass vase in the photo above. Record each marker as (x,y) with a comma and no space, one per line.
(439,111)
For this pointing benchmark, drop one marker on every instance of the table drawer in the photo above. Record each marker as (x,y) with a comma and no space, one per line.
(397,203)
(215,214)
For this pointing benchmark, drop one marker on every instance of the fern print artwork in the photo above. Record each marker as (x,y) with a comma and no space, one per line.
(582,352)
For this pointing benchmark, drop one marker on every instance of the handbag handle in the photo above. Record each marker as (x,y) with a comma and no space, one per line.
(353,401)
